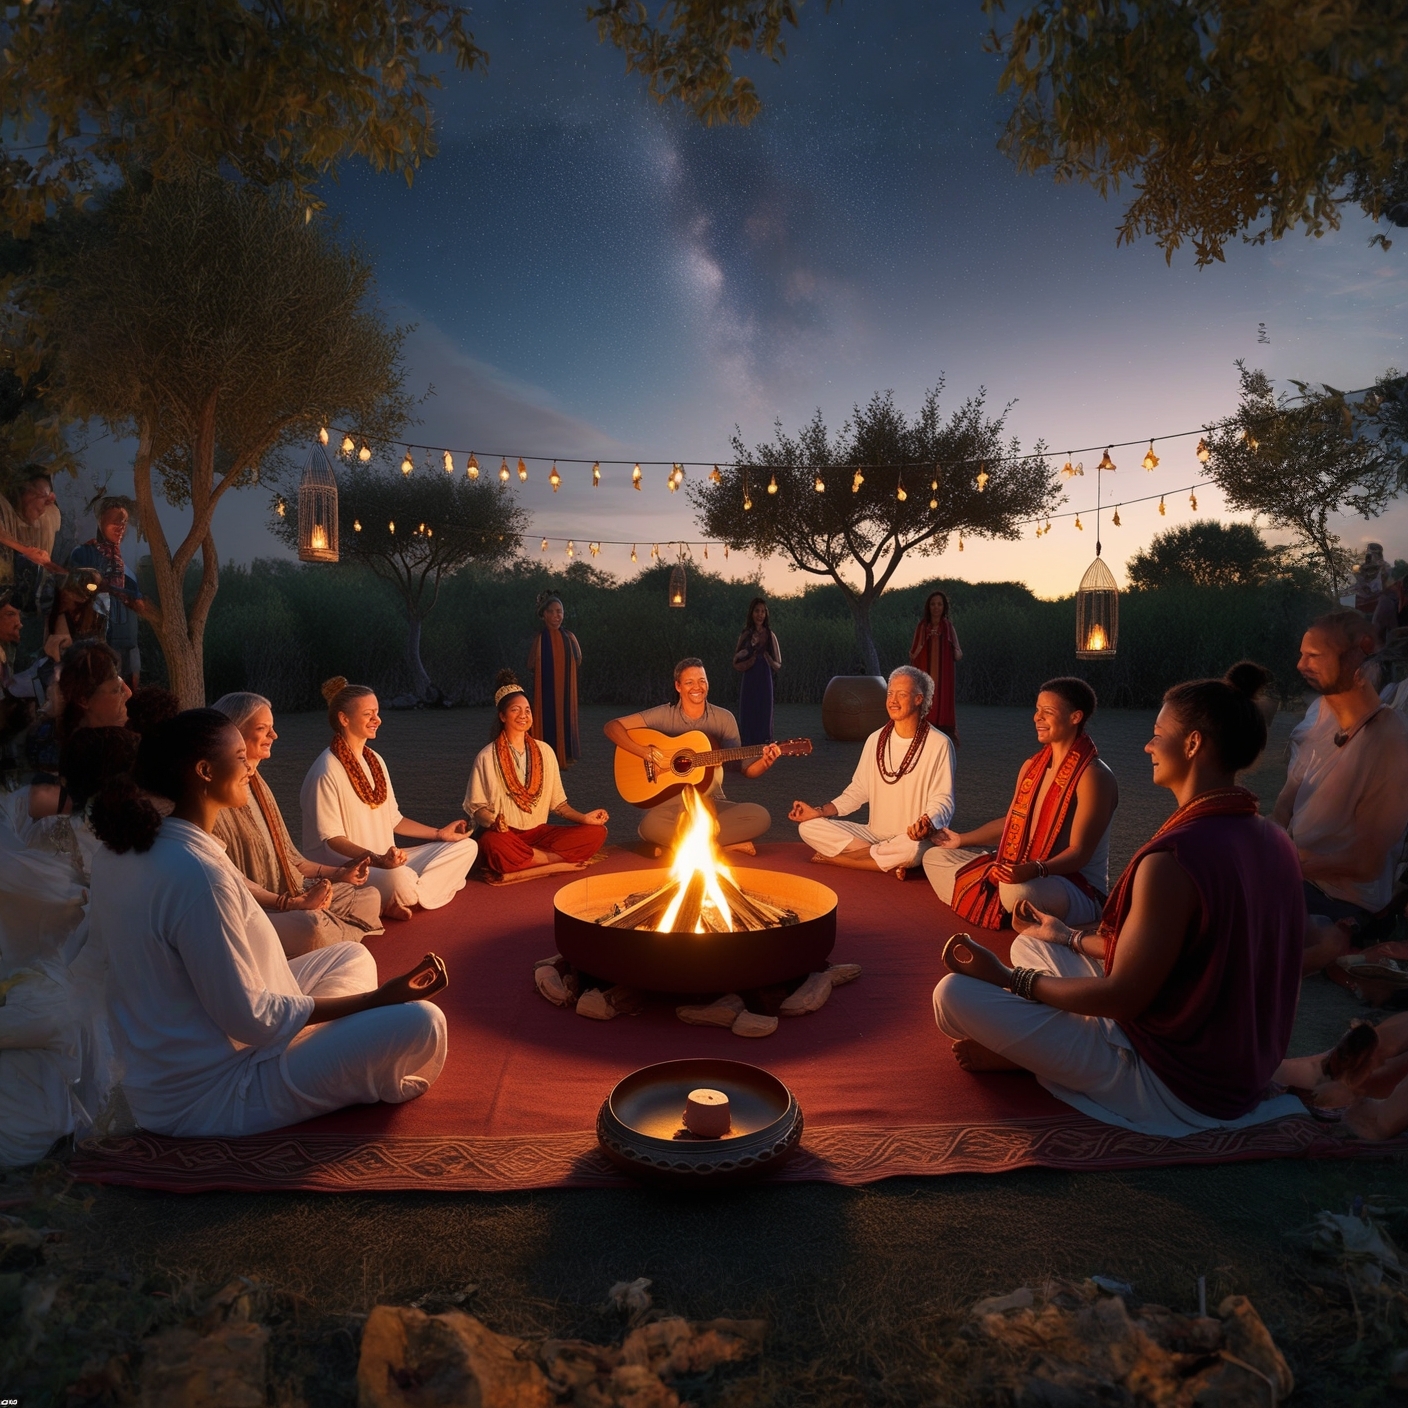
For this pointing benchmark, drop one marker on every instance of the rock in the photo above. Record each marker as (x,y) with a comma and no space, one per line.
(754,1024)
(182,1368)
(603,1004)
(674,1347)
(721,1012)
(413,1360)
(810,997)
(631,1297)
(843,973)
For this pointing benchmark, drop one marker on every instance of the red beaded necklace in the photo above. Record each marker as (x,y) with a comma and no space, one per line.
(916,747)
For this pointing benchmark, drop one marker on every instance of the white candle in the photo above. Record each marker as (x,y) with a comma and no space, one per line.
(706,1114)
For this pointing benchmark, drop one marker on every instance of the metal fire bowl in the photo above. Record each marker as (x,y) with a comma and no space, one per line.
(695,963)
(637,1123)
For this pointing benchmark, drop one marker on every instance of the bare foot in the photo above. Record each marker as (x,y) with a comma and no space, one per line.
(973,1056)
(746,848)
(396,911)
(900,873)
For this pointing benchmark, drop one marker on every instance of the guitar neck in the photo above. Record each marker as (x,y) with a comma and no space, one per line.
(728,755)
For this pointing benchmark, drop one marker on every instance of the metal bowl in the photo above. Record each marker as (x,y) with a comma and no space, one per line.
(695,963)
(641,1131)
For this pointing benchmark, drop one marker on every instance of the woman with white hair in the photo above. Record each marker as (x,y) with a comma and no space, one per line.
(310,905)
(905,774)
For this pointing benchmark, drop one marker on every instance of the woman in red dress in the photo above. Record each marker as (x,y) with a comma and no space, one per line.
(934,650)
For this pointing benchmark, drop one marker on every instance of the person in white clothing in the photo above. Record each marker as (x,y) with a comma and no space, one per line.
(349,811)
(905,773)
(219,1034)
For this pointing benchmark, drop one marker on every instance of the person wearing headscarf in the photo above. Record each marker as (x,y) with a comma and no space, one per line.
(553,661)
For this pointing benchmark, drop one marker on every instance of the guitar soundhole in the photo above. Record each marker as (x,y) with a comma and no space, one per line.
(682,763)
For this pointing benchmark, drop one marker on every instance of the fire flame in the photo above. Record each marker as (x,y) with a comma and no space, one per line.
(1096,639)
(696,854)
(319,541)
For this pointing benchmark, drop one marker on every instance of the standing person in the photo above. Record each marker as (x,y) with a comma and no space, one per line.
(757,658)
(905,774)
(309,905)
(739,822)
(935,650)
(553,661)
(125,600)
(515,787)
(1053,846)
(29,523)
(218,1032)
(350,811)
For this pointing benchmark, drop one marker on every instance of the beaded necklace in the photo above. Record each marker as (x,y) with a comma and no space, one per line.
(916,747)
(524,794)
(373,793)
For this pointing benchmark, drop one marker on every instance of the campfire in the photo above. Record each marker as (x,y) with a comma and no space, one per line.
(701,896)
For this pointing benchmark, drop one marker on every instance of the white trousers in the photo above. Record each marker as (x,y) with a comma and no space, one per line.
(1051,894)
(431,877)
(1085,1061)
(390,1053)
(829,836)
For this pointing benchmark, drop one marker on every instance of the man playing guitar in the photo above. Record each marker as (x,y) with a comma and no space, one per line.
(739,822)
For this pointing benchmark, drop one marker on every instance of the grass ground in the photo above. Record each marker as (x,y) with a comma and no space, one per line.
(864,1289)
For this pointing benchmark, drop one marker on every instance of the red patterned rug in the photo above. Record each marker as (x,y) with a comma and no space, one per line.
(516,1105)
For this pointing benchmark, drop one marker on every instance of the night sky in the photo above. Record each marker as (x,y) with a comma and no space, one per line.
(592,274)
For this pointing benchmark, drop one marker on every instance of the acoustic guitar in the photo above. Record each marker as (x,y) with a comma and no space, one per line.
(690,761)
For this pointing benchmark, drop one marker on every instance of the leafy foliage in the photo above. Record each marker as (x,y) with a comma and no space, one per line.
(1207,553)
(1297,462)
(1221,112)
(268,92)
(962,477)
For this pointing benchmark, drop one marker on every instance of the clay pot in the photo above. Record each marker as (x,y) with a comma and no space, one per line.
(853,707)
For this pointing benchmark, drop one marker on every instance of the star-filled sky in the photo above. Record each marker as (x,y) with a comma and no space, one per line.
(591,274)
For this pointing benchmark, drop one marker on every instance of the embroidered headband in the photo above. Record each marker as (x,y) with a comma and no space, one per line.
(503,693)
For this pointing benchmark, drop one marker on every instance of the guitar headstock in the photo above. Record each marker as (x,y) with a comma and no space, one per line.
(795,747)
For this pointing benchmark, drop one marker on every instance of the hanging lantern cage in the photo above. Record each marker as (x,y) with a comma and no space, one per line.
(317,509)
(677,585)
(1097,614)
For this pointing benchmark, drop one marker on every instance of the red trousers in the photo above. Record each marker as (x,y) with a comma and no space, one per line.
(509,850)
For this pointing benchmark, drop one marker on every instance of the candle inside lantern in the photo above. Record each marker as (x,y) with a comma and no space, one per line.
(1096,639)
(319,540)
(706,1114)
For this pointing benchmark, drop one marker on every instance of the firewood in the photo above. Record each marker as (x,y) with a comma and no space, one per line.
(644,911)
(687,916)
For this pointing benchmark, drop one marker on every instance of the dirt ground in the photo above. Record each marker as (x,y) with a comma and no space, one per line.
(864,1289)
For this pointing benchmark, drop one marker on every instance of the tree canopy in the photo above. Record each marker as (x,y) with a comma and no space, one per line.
(414,531)
(1206,553)
(1222,113)
(891,486)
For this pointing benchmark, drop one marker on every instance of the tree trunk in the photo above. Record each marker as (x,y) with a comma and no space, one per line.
(421,685)
(860,615)
(185,664)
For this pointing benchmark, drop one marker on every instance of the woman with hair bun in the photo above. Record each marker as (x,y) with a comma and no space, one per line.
(515,786)
(350,812)
(218,1032)
(1173,1014)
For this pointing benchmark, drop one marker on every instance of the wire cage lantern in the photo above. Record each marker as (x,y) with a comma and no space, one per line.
(317,509)
(1097,613)
(677,585)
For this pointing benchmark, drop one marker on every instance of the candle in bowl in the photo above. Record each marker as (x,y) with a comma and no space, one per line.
(706,1114)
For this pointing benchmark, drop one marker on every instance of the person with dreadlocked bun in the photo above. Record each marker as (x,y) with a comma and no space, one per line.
(349,811)
(218,1033)
(516,784)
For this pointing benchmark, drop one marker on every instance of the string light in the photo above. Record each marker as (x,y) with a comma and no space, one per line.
(725,552)
(406,465)
(571,548)
(1079,524)
(347,446)
(820,485)
(1150,460)
(1253,441)
(391,526)
(554,478)
(633,552)
(635,478)
(715,477)
(503,471)
(1193,500)
(747,500)
(449,463)
(323,436)
(1070,470)
(960,542)
(596,475)
(655,552)
(1203,453)
(1162,509)
(594,548)
(899,490)
(1115,521)
(856,481)
(933,503)
(356,525)
(983,477)
(1105,461)
(545,545)
(280,508)
(706,552)
(365,453)
(522,471)
(472,468)
(772,484)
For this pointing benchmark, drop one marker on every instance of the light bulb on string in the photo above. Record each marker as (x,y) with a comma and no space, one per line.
(449,463)
(356,525)
(1079,524)
(1162,510)
(633,552)
(596,474)
(960,542)
(933,503)
(747,500)
(1203,453)
(982,479)
(280,507)
(472,468)
(1193,500)
(365,453)
(857,479)
(522,471)
(706,552)
(1105,461)
(725,552)
(391,526)
(655,552)
(347,446)
(571,548)
(900,493)
(1150,460)
(772,484)
(406,465)
(1070,470)
(554,478)
(635,478)
(323,435)
(503,471)
(595,549)
(715,477)
(1115,521)
(545,545)
(820,484)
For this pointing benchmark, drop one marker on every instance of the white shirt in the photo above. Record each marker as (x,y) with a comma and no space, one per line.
(926,790)
(331,808)
(486,789)
(199,990)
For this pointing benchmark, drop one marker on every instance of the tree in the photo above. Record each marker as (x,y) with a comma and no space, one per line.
(1206,554)
(414,531)
(213,325)
(956,476)
(1221,114)
(1297,462)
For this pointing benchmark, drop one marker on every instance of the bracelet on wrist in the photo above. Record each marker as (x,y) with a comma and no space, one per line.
(1041,869)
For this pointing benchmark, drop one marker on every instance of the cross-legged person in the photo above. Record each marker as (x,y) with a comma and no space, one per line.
(350,813)
(1345,802)
(515,786)
(740,823)
(905,776)
(1052,849)
(310,905)
(1173,1016)
(218,1033)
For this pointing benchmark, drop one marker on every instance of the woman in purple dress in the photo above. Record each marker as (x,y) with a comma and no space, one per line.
(758,655)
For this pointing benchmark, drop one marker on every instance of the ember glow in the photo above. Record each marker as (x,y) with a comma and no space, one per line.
(697,855)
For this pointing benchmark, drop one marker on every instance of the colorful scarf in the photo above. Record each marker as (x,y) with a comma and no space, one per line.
(373,793)
(525,795)
(911,757)
(264,800)
(113,570)
(1225,801)
(932,650)
(975,893)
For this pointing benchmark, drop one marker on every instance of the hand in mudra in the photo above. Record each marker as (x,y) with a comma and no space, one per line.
(804,811)
(424,980)
(945,838)
(1029,920)
(964,954)
(318,895)
(355,872)
(390,859)
(453,831)
(920,829)
(598,817)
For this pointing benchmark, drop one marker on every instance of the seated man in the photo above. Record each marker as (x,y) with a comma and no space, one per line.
(1173,1017)
(1345,802)
(515,786)
(905,773)
(739,822)
(1053,846)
